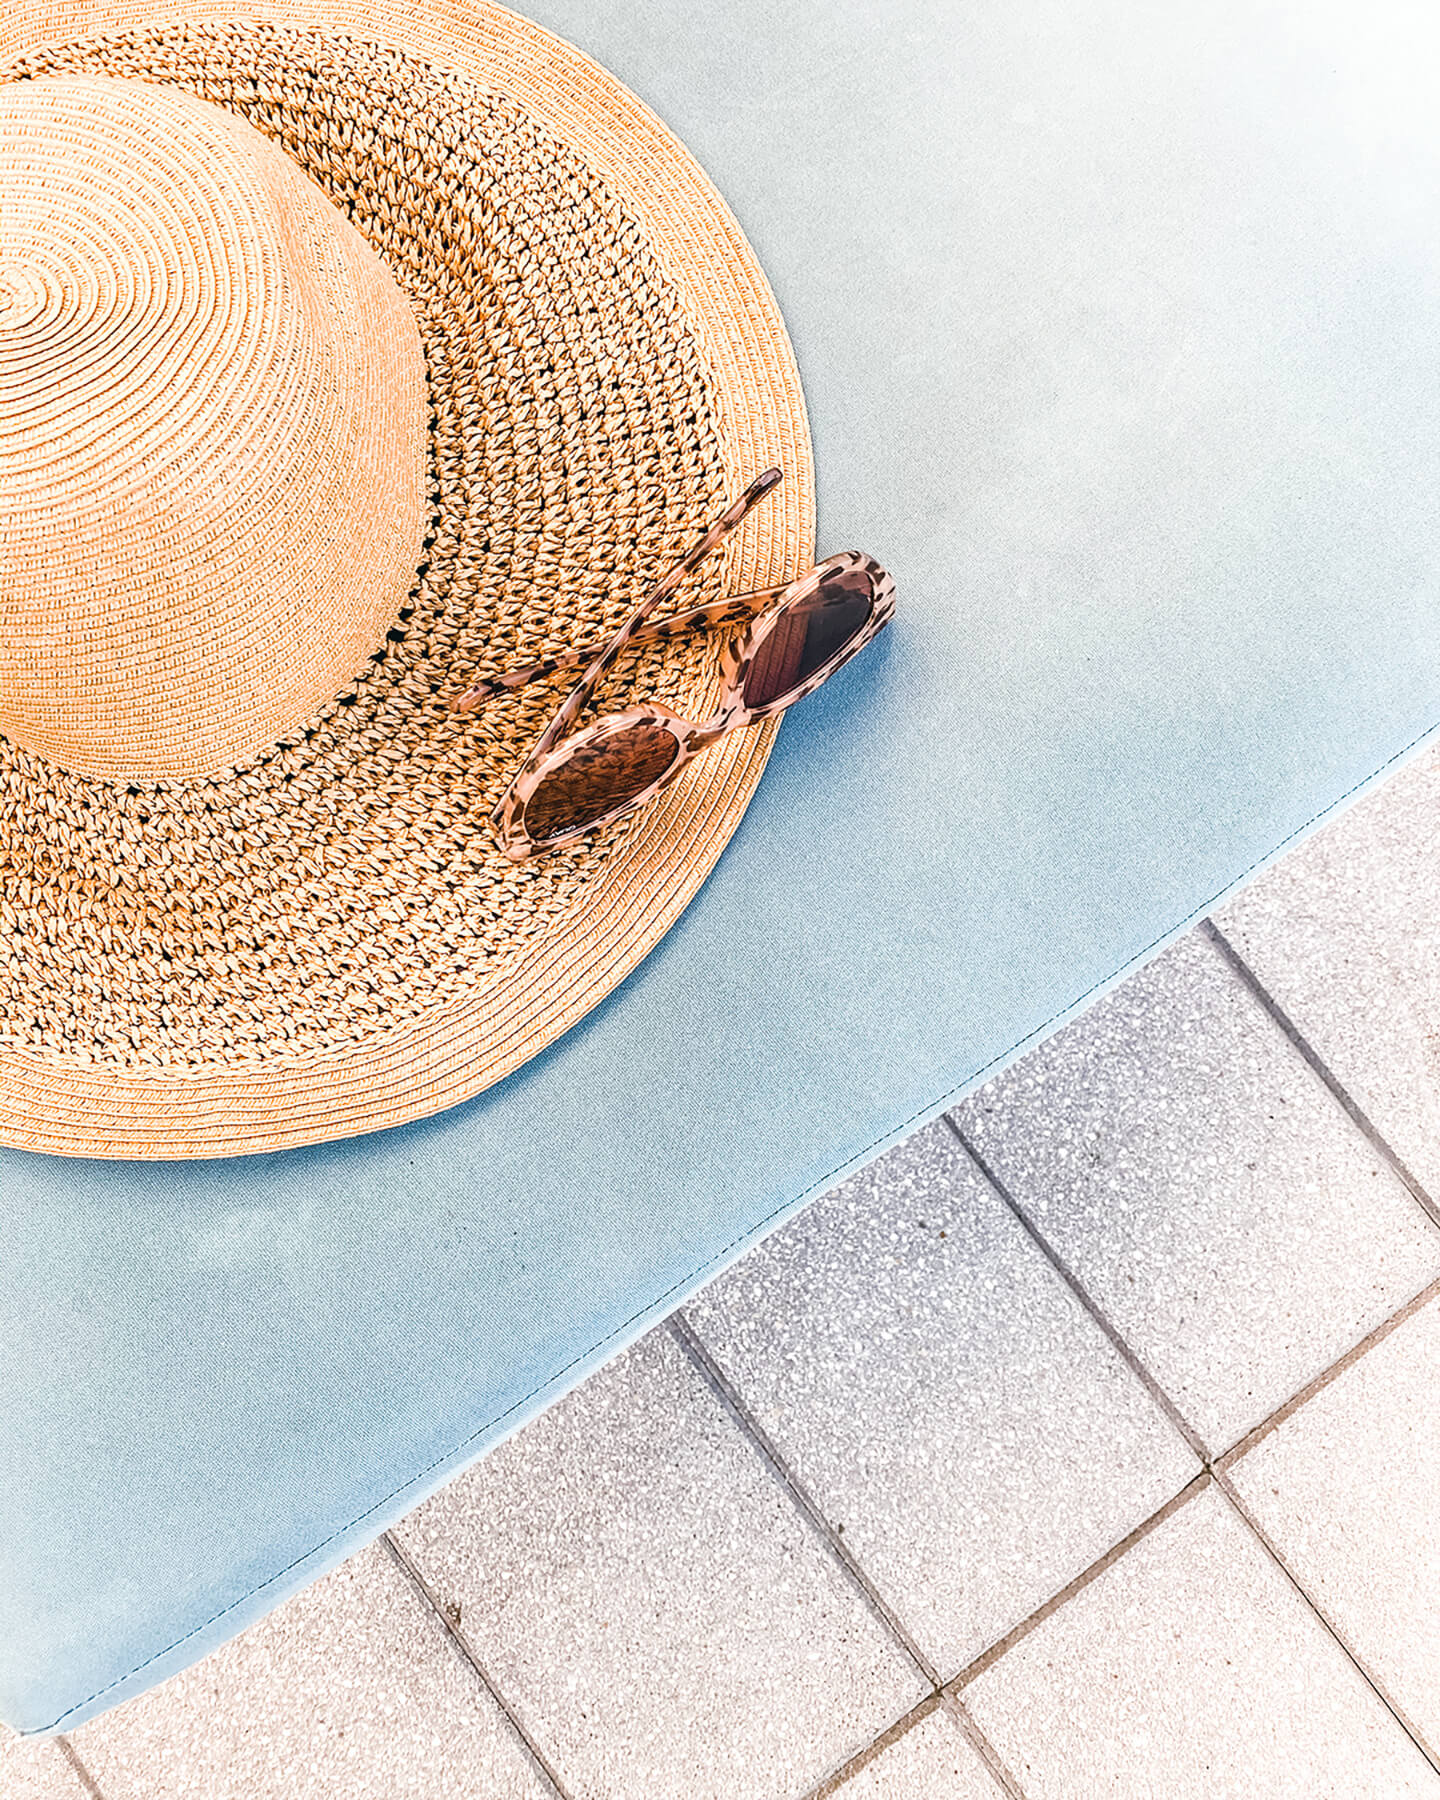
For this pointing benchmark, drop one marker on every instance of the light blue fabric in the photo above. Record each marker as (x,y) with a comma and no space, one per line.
(1119,325)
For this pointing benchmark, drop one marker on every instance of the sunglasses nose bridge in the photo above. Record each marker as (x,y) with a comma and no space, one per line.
(701,737)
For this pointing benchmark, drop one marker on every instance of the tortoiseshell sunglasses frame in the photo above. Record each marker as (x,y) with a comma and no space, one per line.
(764,608)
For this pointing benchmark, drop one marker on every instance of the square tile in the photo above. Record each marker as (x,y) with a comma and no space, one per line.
(1345,934)
(1348,1489)
(931,1762)
(36,1769)
(650,1601)
(1206,1188)
(351,1688)
(1191,1669)
(943,1396)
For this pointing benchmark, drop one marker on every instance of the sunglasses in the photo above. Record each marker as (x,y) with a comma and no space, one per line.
(796,636)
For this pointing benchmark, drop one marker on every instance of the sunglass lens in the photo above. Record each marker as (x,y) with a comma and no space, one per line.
(807,636)
(599,777)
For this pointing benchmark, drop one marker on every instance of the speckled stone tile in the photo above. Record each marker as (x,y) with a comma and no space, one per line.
(351,1689)
(35,1769)
(1348,1488)
(652,1604)
(1207,1189)
(942,1395)
(1345,933)
(931,1762)
(1192,1670)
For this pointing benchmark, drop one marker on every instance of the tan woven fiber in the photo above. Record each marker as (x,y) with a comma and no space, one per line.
(324,939)
(212,434)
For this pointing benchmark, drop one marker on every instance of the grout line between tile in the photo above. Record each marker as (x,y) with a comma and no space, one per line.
(1367,1127)
(717,1380)
(835,1782)
(981,1745)
(1214,1468)
(1318,1066)
(724,1389)
(1397,1712)
(892,1734)
(972,1671)
(1216,1461)
(410,1569)
(1118,1343)
(78,1769)
(1242,1447)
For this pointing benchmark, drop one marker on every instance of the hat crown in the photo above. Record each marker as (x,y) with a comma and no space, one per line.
(212,434)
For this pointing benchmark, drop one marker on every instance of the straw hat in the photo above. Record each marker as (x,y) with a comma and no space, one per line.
(348,354)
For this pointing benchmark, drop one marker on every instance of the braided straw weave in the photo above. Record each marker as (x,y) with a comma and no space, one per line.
(322,939)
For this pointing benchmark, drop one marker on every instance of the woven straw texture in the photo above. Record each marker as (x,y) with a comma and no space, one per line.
(323,939)
(214,445)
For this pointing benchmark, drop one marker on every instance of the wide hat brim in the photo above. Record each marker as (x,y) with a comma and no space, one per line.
(465,1042)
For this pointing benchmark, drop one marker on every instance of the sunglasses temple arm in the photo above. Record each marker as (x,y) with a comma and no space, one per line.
(580,694)
(734,611)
